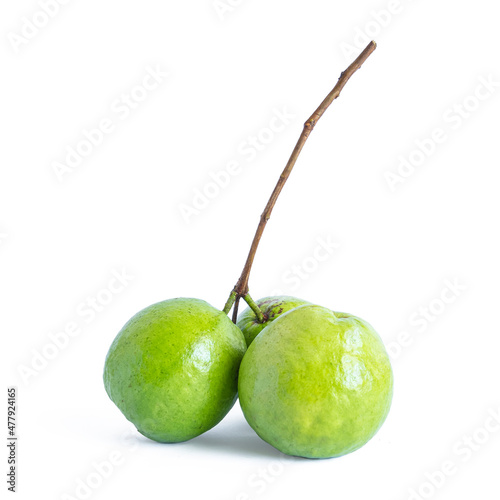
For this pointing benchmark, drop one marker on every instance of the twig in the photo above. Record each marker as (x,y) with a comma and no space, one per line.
(241,287)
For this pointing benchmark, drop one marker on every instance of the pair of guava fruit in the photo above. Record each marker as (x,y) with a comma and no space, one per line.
(311,382)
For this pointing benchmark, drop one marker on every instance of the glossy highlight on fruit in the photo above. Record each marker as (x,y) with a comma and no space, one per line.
(172,370)
(272,308)
(315,383)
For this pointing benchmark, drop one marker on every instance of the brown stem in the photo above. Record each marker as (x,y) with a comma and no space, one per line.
(235,310)
(241,287)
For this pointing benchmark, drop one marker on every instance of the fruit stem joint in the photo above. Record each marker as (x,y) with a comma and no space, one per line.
(255,308)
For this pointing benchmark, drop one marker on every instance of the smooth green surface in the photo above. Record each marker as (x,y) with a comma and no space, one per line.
(173,368)
(271,307)
(315,383)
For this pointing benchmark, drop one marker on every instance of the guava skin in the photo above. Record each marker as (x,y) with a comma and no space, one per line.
(271,307)
(315,383)
(172,370)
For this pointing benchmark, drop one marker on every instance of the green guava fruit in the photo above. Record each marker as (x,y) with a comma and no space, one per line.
(315,383)
(172,370)
(271,307)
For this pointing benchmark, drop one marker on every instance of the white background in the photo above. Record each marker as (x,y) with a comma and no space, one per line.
(397,251)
